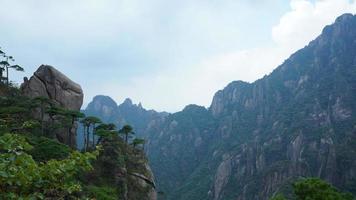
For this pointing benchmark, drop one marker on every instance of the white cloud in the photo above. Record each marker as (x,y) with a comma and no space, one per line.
(307,19)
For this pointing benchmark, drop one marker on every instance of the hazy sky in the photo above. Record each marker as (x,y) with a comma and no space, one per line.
(163,53)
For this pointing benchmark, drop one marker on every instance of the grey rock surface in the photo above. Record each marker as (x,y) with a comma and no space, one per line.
(50,83)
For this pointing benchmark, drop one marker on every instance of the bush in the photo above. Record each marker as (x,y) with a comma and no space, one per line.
(45,149)
(102,193)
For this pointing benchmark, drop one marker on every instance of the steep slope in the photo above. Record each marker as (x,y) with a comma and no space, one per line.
(297,121)
(177,145)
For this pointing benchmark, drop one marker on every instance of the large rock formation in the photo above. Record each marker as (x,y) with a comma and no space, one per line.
(52,84)
(130,170)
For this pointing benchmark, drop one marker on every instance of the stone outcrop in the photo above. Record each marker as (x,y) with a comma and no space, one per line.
(50,83)
(146,181)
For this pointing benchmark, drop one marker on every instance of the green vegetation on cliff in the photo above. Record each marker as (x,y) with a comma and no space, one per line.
(33,164)
(36,164)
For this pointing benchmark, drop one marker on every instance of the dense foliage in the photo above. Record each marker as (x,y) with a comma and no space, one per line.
(22,177)
(33,165)
(315,189)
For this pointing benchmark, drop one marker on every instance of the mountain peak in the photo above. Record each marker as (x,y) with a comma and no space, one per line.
(343,26)
(127,101)
(102,104)
(106,100)
(140,105)
(193,108)
(345,17)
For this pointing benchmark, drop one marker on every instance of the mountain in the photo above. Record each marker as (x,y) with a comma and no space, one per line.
(125,113)
(256,138)
(107,109)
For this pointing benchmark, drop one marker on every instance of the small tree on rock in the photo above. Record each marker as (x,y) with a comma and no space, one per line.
(74,116)
(138,141)
(126,130)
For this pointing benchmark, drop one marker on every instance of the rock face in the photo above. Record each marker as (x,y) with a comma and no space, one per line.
(136,180)
(52,84)
(145,181)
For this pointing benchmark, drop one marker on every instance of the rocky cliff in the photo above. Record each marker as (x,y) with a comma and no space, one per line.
(119,166)
(125,169)
(256,137)
(48,82)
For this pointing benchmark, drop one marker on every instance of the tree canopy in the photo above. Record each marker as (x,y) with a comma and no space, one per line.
(315,189)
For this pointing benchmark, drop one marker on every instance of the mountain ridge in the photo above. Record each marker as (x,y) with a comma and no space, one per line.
(255,138)
(266,122)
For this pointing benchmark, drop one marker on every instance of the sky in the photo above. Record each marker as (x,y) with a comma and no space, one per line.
(165,54)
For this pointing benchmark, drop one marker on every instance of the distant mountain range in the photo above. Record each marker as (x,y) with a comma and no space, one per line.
(256,138)
(125,113)
(107,110)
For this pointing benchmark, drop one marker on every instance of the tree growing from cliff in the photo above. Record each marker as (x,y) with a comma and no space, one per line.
(14,111)
(126,130)
(58,119)
(10,117)
(105,130)
(94,121)
(6,66)
(43,103)
(74,117)
(89,122)
(2,68)
(138,141)
(86,124)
